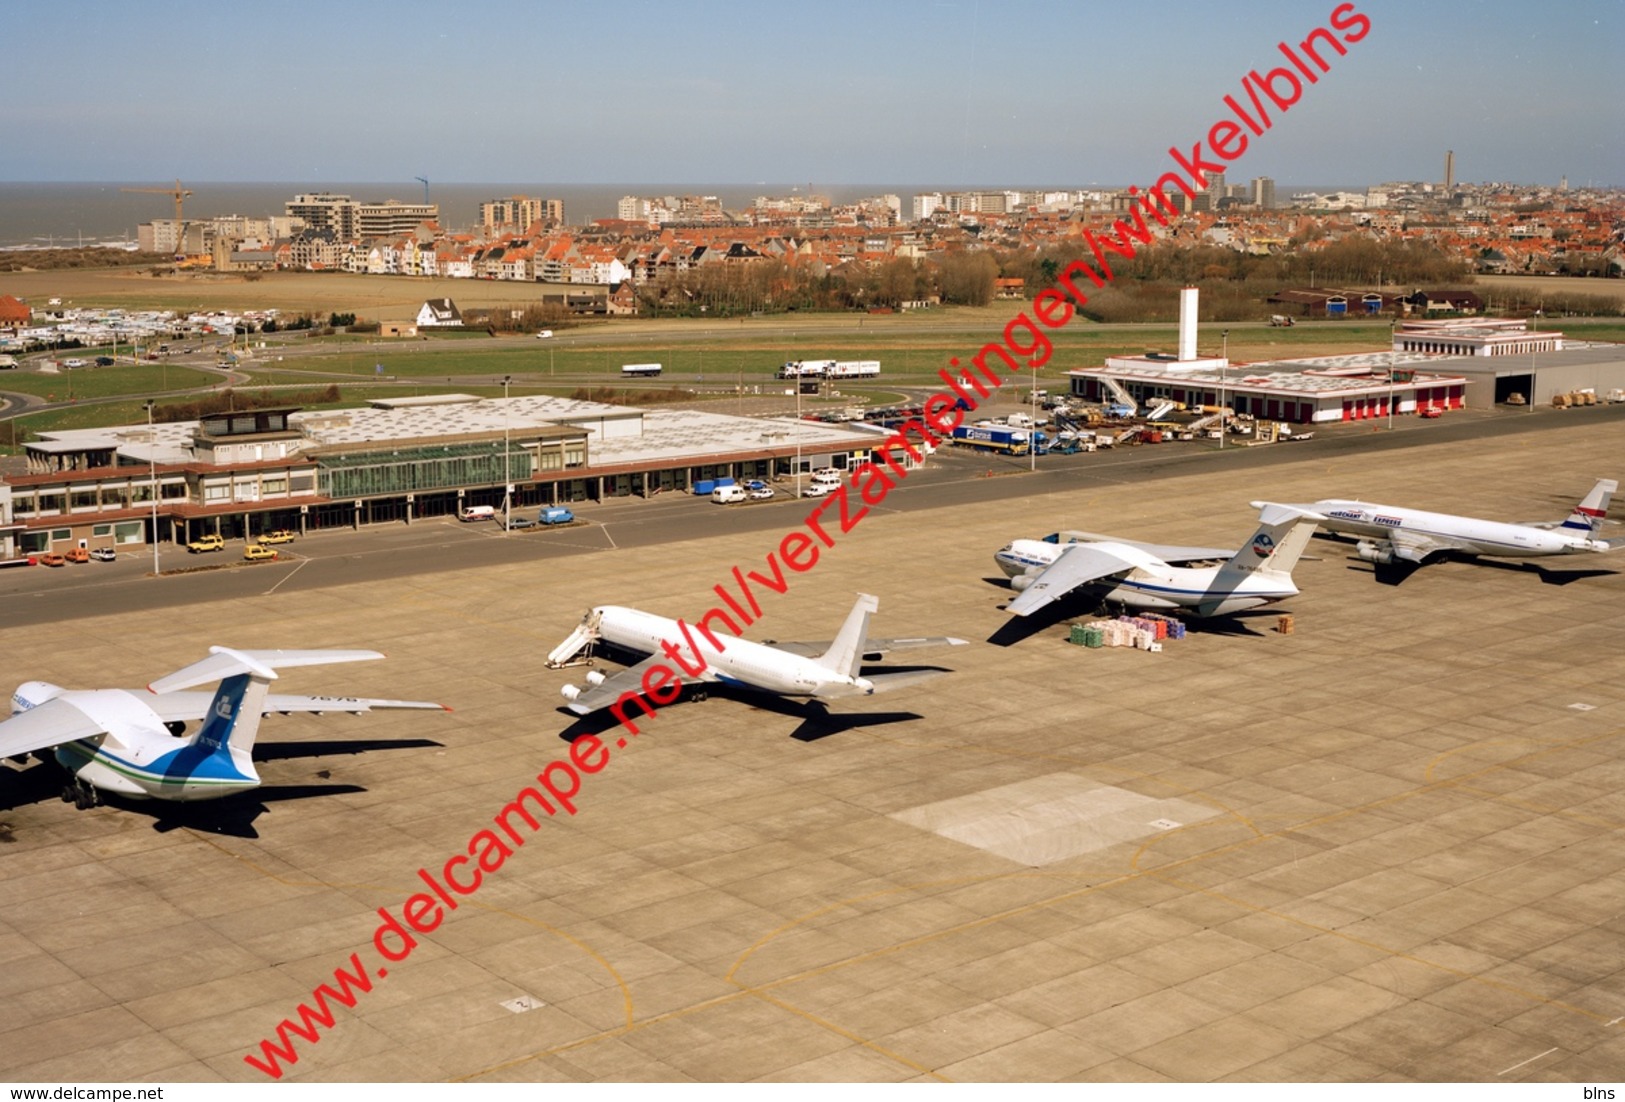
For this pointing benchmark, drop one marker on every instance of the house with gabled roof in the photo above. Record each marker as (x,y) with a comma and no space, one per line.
(440,312)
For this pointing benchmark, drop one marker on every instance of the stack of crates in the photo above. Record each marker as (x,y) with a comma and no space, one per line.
(1173,628)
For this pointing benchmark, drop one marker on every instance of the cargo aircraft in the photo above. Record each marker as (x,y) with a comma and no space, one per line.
(1389,534)
(680,654)
(1159,577)
(129,741)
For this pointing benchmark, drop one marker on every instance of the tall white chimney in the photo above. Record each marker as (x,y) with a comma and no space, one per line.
(1187,323)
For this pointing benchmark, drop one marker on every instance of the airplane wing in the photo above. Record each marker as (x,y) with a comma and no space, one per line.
(873,649)
(1411,547)
(50,724)
(630,680)
(182,707)
(1078,565)
(1167,552)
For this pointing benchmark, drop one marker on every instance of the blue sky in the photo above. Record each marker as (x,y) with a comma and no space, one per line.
(954,92)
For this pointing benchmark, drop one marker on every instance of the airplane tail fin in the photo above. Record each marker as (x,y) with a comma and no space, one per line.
(845,655)
(1588,516)
(245,676)
(1283,533)
(233,722)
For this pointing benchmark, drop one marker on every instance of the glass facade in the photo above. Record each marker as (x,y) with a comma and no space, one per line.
(420,470)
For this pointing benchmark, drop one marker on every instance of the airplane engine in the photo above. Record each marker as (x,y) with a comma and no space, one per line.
(1371,552)
(1021,582)
(595,677)
(570,692)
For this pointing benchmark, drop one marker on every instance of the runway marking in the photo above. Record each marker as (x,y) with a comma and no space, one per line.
(300,565)
(1531,1060)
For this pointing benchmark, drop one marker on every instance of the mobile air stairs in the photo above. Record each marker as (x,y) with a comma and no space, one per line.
(577,646)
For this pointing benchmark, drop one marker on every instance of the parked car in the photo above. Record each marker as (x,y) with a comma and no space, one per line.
(258,552)
(280,535)
(104,361)
(52,559)
(518,524)
(77,554)
(74,363)
(757,490)
(819,489)
(103,554)
(206,543)
(555,514)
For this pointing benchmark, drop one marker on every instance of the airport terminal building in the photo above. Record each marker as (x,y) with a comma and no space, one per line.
(242,473)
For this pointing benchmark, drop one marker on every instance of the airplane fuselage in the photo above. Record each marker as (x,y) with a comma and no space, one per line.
(142,760)
(1463,535)
(738,662)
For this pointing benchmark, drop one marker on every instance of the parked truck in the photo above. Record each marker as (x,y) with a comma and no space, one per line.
(853,369)
(631,371)
(994,438)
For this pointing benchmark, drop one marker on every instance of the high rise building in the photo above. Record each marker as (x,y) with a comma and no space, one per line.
(324,211)
(516,212)
(926,205)
(1264,192)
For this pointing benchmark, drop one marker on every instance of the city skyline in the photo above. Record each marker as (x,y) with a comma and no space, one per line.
(958,93)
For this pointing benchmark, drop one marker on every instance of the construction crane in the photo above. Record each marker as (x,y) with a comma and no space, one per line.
(177,193)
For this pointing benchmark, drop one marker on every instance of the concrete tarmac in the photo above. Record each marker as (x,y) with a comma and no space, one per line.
(1385,846)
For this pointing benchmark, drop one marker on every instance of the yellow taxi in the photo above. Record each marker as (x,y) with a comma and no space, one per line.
(255,552)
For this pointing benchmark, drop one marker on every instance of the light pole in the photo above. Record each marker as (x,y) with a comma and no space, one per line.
(507,459)
(1391,376)
(1531,406)
(798,434)
(1224,362)
(1032,429)
(152,477)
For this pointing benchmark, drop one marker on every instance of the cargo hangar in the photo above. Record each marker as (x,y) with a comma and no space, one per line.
(238,474)
(1434,364)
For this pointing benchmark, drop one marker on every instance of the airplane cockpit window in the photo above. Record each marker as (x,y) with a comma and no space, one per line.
(1053,537)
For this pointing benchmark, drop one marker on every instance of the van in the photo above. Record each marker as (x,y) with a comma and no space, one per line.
(727,495)
(478,512)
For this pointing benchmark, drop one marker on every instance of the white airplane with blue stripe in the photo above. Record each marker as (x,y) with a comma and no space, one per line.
(1389,534)
(1149,576)
(131,741)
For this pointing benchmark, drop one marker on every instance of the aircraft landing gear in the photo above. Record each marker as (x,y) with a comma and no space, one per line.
(81,795)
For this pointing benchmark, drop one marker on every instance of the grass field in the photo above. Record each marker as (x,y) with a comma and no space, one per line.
(711,354)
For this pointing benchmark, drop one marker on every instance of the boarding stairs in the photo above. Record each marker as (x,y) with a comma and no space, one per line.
(577,646)
(1163,409)
(1120,394)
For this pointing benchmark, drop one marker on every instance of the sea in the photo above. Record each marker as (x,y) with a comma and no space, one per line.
(59,215)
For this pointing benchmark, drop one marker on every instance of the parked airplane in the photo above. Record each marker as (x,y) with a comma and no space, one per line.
(1152,576)
(128,741)
(822,671)
(1387,534)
